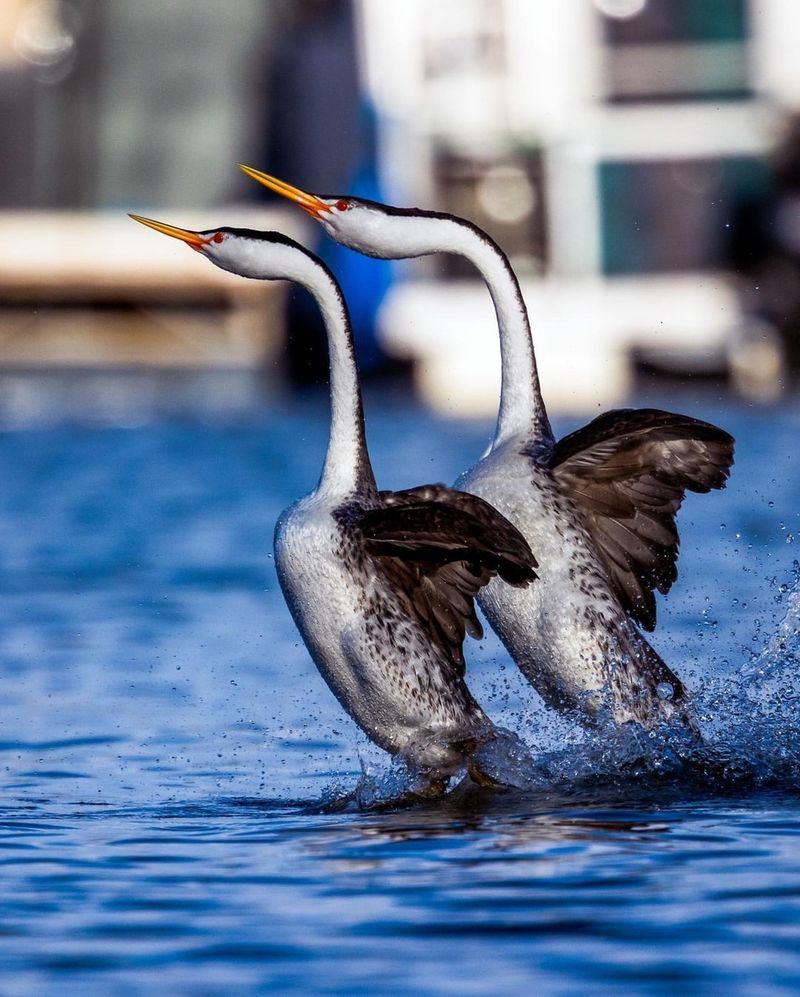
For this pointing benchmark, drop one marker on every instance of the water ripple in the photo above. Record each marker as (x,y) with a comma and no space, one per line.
(180,809)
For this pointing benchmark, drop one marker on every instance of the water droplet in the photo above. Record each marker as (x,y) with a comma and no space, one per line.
(789,538)
(771,505)
(665,691)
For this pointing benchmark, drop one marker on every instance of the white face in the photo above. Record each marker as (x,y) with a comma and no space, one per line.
(224,250)
(262,259)
(374,232)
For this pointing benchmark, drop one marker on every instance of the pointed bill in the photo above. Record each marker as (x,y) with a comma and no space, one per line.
(194,239)
(311,204)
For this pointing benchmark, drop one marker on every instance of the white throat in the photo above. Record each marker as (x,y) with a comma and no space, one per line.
(347,464)
(522,411)
(347,467)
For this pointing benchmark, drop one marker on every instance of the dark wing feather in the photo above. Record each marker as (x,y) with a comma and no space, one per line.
(628,472)
(437,548)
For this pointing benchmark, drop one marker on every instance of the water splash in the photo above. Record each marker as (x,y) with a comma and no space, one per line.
(748,729)
(752,719)
(748,735)
(500,759)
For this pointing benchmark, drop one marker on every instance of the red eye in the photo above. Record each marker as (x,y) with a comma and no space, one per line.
(342,205)
(217,237)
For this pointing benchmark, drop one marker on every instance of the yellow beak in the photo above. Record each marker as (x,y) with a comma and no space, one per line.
(193,239)
(311,204)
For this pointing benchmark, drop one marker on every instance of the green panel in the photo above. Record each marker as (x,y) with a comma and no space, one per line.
(713,20)
(623,210)
(667,216)
(666,21)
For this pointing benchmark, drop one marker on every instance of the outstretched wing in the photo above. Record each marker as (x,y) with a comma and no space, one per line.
(628,472)
(437,548)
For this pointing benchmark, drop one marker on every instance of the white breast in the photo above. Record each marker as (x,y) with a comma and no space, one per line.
(547,626)
(398,690)
(321,594)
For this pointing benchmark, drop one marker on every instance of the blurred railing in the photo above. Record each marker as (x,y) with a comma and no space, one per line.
(96,289)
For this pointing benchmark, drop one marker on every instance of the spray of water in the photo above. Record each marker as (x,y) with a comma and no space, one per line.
(751,720)
(748,735)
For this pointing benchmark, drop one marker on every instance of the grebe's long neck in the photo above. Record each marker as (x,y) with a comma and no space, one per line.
(522,410)
(347,467)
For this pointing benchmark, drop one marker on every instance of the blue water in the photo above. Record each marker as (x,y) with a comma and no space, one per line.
(167,748)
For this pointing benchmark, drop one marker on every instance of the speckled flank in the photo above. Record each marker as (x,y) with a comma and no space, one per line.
(383,668)
(567,632)
(405,654)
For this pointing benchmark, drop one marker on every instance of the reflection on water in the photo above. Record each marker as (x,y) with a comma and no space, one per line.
(558,894)
(167,749)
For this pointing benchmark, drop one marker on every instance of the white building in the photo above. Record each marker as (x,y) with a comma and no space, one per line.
(603,144)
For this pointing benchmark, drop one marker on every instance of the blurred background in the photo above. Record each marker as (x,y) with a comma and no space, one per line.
(639,160)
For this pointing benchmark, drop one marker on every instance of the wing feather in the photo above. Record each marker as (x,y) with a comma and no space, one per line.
(437,548)
(627,473)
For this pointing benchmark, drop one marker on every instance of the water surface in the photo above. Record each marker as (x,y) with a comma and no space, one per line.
(167,747)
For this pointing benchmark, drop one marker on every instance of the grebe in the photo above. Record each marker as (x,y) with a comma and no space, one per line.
(381,585)
(598,507)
